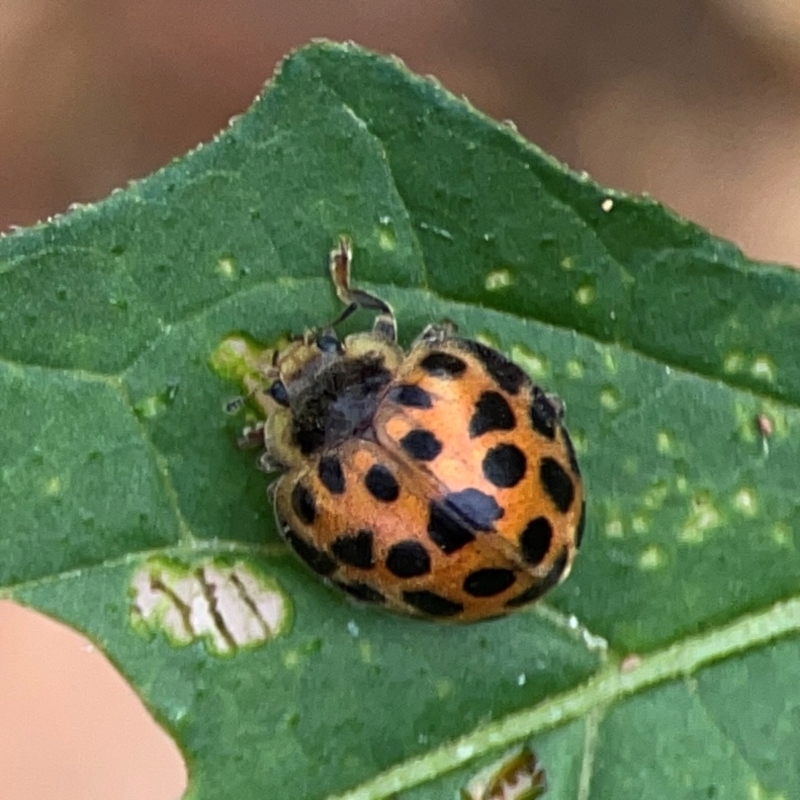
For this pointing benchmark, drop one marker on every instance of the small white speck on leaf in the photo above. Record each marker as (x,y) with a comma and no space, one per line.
(733,362)
(54,486)
(703,517)
(610,399)
(664,443)
(226,267)
(574,369)
(781,534)
(763,369)
(584,296)
(465,751)
(652,558)
(499,279)
(745,502)
(387,240)
(533,363)
(639,525)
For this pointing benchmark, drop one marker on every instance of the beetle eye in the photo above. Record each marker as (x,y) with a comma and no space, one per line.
(279,394)
(328,343)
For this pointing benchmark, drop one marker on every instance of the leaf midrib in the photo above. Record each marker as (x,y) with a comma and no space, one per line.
(608,686)
(590,700)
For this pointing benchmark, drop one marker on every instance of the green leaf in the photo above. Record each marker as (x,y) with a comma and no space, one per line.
(666,666)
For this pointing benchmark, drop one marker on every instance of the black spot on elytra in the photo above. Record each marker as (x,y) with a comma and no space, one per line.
(421,445)
(488,582)
(535,540)
(508,376)
(477,509)
(446,528)
(536,590)
(573,460)
(443,365)
(557,483)
(381,484)
(492,413)
(320,562)
(408,394)
(581,525)
(355,549)
(504,465)
(452,522)
(408,559)
(331,475)
(432,603)
(543,414)
(361,591)
(303,503)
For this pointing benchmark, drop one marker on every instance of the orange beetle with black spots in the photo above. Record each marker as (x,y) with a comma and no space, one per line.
(438,482)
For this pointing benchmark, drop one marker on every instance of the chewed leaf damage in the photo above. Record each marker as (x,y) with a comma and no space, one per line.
(517,776)
(227,606)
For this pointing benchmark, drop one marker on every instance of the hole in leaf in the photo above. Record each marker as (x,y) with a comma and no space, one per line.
(227,606)
(516,776)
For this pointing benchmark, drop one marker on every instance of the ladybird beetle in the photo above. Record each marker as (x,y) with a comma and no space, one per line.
(437,482)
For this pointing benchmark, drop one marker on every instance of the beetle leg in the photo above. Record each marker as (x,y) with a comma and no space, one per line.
(251,436)
(385,325)
(267,464)
(557,403)
(438,333)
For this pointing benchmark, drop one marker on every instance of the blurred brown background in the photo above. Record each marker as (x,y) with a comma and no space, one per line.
(696,102)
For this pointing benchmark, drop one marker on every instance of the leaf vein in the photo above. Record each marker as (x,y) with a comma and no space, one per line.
(198,547)
(607,686)
(387,164)
(711,720)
